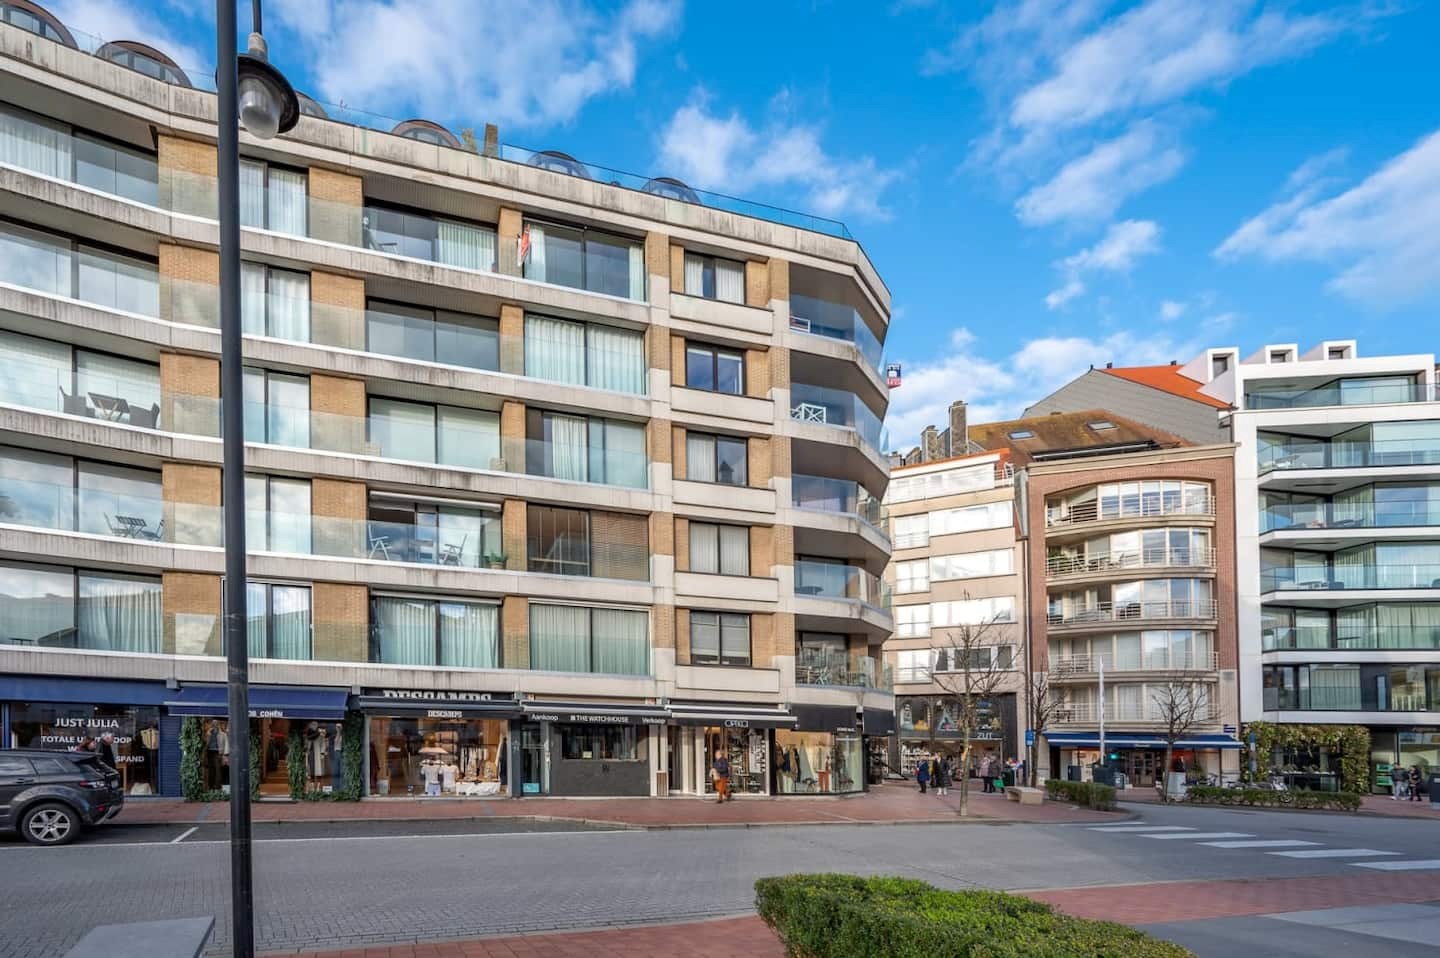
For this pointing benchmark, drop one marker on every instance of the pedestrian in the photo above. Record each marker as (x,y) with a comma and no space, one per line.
(105,748)
(720,775)
(87,744)
(1399,783)
(1414,783)
(922,774)
(947,772)
(987,784)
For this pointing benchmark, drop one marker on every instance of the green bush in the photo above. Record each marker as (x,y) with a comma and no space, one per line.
(1269,798)
(845,916)
(1088,794)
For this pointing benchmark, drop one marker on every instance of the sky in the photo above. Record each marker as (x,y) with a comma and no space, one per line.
(1042,184)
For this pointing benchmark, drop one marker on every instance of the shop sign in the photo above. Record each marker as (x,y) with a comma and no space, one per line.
(736,723)
(411,695)
(444,713)
(267,713)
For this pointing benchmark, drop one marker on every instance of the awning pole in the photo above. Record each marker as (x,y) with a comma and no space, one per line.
(1102,710)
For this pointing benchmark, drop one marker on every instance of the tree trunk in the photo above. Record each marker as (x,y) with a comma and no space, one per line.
(964,776)
(1165,773)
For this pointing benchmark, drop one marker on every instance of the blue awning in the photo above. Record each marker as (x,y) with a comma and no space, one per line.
(1136,740)
(266,701)
(47,688)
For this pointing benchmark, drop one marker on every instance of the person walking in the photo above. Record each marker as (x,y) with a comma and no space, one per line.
(922,774)
(946,773)
(105,748)
(987,781)
(720,775)
(1414,778)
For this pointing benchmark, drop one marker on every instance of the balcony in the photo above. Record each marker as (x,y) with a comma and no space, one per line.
(833,407)
(1062,566)
(1076,666)
(1357,514)
(1088,713)
(840,670)
(1346,638)
(1423,575)
(1366,392)
(834,581)
(130,400)
(1324,454)
(1143,507)
(837,497)
(1105,612)
(818,317)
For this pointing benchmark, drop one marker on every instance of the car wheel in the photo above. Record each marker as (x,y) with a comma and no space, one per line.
(50,823)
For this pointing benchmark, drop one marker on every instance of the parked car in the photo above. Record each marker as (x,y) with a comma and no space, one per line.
(50,797)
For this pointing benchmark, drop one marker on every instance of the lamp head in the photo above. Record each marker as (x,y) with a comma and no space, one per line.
(268,104)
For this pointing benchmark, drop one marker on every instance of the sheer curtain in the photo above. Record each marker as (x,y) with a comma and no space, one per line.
(252,194)
(119,615)
(625,455)
(257,619)
(637,272)
(466,246)
(699,458)
(694,275)
(568,447)
(403,430)
(289,622)
(622,641)
(406,630)
(34,145)
(1351,566)
(735,550)
(285,197)
(252,299)
(555,349)
(704,548)
(559,638)
(1335,687)
(288,515)
(729,281)
(617,359)
(469,635)
(535,266)
(289,302)
(467,437)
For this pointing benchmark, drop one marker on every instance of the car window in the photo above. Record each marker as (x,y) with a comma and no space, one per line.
(10,765)
(52,766)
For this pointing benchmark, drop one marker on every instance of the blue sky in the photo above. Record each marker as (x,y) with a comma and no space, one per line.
(1042,184)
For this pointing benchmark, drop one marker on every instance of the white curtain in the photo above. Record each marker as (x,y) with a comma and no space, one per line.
(252,194)
(467,437)
(535,267)
(252,298)
(559,638)
(290,622)
(289,302)
(257,617)
(403,430)
(289,515)
(119,615)
(704,548)
(735,550)
(729,281)
(637,272)
(286,200)
(466,246)
(622,641)
(555,350)
(469,635)
(700,458)
(406,630)
(569,455)
(625,455)
(34,145)
(694,275)
(1335,688)
(617,359)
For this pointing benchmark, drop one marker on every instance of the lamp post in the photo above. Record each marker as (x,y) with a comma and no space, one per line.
(252,92)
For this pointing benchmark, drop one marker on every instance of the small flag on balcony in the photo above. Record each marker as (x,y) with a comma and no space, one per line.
(522,246)
(892,375)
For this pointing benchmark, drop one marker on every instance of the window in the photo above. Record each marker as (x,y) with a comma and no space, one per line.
(42,374)
(1338,352)
(972,565)
(981,658)
(447,435)
(272,198)
(278,621)
(32,21)
(714,369)
(55,607)
(914,665)
(144,63)
(938,484)
(50,491)
(1279,355)
(1101,424)
(912,531)
(570,638)
(419,235)
(277,514)
(56,150)
(585,259)
(275,302)
(56,265)
(973,611)
(583,449)
(609,743)
(912,621)
(717,549)
(719,459)
(991,515)
(912,576)
(277,408)
(407,630)
(610,545)
(433,533)
(1219,366)
(432,335)
(714,278)
(1022,434)
(719,638)
(585,354)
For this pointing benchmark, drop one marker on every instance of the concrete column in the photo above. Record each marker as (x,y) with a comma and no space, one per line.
(514,534)
(512,339)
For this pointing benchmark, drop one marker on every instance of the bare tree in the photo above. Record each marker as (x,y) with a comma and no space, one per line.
(1045,703)
(975,674)
(1179,707)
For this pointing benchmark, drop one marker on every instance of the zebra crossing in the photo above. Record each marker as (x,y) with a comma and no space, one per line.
(1377,859)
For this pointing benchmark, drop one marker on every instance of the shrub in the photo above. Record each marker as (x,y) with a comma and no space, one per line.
(1269,798)
(1088,794)
(845,916)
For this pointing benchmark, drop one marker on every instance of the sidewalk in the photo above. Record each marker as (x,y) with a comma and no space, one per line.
(896,803)
(1369,804)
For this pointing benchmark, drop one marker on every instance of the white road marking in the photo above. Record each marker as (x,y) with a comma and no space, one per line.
(1196,836)
(184,835)
(1335,853)
(97,846)
(1261,843)
(1428,865)
(1140,828)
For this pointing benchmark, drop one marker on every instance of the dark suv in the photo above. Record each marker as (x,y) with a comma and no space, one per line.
(50,797)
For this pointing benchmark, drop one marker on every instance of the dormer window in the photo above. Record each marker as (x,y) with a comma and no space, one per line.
(1279,355)
(1022,434)
(1219,365)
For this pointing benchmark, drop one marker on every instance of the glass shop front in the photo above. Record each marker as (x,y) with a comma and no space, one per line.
(823,755)
(438,743)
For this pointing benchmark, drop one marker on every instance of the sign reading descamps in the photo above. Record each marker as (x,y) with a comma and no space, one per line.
(411,695)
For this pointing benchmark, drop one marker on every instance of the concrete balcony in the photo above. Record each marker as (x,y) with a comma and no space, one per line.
(1104,615)
(1086,668)
(1092,568)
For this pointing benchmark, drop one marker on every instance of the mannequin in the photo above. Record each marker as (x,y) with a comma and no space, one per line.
(317,753)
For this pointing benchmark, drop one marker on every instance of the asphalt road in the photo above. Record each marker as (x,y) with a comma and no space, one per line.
(328,886)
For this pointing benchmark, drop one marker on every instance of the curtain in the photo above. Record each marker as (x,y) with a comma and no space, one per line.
(285,198)
(41,147)
(704,547)
(1351,566)
(35,372)
(257,617)
(467,437)
(617,359)
(555,350)
(700,458)
(253,304)
(735,550)
(465,246)
(406,630)
(252,194)
(625,455)
(568,452)
(622,642)
(289,622)
(1335,688)
(637,272)
(559,638)
(289,305)
(119,615)
(694,275)
(535,268)
(729,281)
(469,635)
(288,515)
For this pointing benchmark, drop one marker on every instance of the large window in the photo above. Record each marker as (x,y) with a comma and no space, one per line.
(973,611)
(572,638)
(609,743)
(51,491)
(448,435)
(914,665)
(435,533)
(912,621)
(277,408)
(991,515)
(585,354)
(608,545)
(719,550)
(982,658)
(585,259)
(721,459)
(422,236)
(937,485)
(714,369)
(55,607)
(912,576)
(277,514)
(912,531)
(272,198)
(42,374)
(433,335)
(585,449)
(407,630)
(714,278)
(719,638)
(275,302)
(53,149)
(54,264)
(972,565)
(277,621)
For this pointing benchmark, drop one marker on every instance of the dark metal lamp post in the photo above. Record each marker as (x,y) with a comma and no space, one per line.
(256,94)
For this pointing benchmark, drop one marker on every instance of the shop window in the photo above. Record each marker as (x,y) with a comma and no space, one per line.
(133,742)
(714,369)
(748,755)
(721,459)
(610,743)
(461,757)
(719,550)
(719,638)
(822,763)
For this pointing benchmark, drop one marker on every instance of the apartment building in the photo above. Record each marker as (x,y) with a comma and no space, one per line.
(1128,566)
(955,565)
(558,479)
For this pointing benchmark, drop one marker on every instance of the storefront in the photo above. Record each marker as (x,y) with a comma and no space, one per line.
(929,725)
(824,754)
(438,743)
(880,730)
(590,749)
(123,718)
(1140,756)
(1392,748)
(742,732)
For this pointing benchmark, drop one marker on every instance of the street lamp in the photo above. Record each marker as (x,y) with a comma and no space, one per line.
(252,92)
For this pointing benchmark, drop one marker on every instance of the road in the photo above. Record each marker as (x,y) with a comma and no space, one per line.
(324,885)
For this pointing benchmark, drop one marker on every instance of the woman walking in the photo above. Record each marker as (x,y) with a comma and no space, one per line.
(946,773)
(987,781)
(922,774)
(1414,777)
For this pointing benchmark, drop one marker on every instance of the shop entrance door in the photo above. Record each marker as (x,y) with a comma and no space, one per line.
(274,758)
(1141,766)
(675,758)
(533,746)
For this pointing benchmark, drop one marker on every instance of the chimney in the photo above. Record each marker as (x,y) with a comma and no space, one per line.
(492,140)
(930,445)
(959,428)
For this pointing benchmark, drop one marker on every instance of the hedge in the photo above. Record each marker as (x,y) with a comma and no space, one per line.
(846,916)
(1088,794)
(1269,798)
(1349,743)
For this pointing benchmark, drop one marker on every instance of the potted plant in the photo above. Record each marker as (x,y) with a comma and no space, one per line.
(496,560)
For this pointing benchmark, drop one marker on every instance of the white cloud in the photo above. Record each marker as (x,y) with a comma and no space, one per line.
(1093,186)
(530,64)
(1116,252)
(725,152)
(1382,235)
(1061,295)
(1170,310)
(111,20)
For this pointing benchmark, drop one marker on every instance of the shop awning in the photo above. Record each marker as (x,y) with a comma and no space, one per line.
(825,718)
(596,713)
(438,707)
(730,715)
(1136,740)
(45,688)
(266,701)
(879,722)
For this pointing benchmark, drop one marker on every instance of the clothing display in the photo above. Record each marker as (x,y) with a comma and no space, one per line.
(317,753)
(468,754)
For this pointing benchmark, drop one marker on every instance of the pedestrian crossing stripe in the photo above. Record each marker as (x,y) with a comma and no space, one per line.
(1196,836)
(1141,828)
(1335,853)
(1261,843)
(1415,866)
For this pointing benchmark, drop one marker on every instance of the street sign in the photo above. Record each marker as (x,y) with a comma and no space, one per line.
(1029,737)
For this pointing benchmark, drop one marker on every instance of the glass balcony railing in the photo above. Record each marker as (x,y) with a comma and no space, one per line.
(587,462)
(1360,514)
(1062,565)
(1088,713)
(814,667)
(1421,575)
(833,581)
(837,496)
(1322,454)
(1388,637)
(836,321)
(1347,698)
(834,407)
(1130,611)
(1134,662)
(1140,507)
(1361,393)
(131,401)
(99,505)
